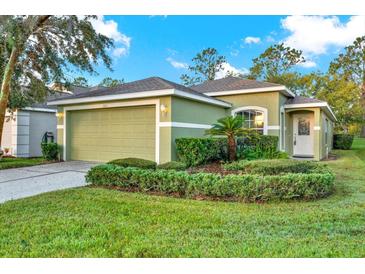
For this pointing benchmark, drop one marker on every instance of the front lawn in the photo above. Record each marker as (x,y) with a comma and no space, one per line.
(6,163)
(94,222)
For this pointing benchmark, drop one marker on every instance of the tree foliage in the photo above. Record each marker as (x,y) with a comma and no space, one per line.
(342,95)
(37,50)
(205,66)
(275,65)
(110,82)
(80,82)
(351,65)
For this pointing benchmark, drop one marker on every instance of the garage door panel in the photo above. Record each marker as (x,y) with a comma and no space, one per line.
(106,134)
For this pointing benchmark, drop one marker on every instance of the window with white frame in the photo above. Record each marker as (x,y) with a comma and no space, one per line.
(253,119)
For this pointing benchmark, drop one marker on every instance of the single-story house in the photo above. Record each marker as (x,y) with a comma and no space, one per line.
(24,128)
(143,118)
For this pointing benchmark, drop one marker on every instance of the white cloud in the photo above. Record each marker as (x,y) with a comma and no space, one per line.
(109,28)
(308,64)
(252,40)
(314,35)
(176,64)
(119,52)
(227,67)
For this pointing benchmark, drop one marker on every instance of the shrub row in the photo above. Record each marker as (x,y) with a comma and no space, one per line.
(147,164)
(274,167)
(255,146)
(197,151)
(238,187)
(343,141)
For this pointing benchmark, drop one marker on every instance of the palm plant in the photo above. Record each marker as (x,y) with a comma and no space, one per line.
(230,126)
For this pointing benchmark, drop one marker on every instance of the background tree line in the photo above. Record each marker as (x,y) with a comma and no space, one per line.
(342,85)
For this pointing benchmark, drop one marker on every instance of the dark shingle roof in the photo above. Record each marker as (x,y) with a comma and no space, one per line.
(148,84)
(231,83)
(302,100)
(60,95)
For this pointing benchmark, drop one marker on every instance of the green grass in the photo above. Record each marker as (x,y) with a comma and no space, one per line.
(6,163)
(92,222)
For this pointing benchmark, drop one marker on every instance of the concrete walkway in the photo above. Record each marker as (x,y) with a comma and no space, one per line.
(23,182)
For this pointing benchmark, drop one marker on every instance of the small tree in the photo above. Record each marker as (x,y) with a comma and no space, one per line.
(206,65)
(110,82)
(80,82)
(230,126)
(276,65)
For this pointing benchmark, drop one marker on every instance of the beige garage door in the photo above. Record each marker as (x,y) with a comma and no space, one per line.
(107,134)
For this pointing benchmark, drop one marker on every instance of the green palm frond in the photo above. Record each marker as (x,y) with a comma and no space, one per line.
(229,126)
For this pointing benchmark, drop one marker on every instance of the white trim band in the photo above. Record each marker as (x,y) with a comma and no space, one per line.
(273,127)
(308,105)
(283,89)
(39,109)
(60,127)
(184,125)
(142,94)
(317,128)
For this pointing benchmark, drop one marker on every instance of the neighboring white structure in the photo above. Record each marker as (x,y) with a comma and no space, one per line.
(24,129)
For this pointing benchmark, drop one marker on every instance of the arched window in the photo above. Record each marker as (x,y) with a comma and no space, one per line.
(253,118)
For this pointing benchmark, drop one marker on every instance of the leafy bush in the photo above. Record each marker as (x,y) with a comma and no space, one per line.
(274,167)
(172,165)
(50,151)
(343,141)
(134,162)
(254,146)
(250,187)
(197,151)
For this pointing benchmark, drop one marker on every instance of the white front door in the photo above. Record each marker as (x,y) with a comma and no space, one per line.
(303,135)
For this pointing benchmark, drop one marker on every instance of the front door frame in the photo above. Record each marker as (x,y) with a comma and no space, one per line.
(295,138)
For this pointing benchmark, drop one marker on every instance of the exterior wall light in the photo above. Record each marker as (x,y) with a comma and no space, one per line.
(163,109)
(59,114)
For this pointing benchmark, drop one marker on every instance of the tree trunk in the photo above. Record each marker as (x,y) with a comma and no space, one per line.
(5,88)
(231,148)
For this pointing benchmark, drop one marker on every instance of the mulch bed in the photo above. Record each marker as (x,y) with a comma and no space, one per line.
(215,167)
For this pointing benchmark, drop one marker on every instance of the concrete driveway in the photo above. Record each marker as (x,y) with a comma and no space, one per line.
(23,182)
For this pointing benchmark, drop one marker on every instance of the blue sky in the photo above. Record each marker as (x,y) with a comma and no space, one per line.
(164,45)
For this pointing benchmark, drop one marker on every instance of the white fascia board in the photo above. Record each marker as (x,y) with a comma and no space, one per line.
(282,89)
(309,105)
(144,94)
(39,109)
(212,101)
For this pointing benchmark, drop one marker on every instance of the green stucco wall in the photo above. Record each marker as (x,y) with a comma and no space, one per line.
(268,100)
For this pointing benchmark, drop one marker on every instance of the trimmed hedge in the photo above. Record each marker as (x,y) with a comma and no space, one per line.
(197,151)
(134,162)
(342,141)
(173,165)
(255,146)
(274,167)
(50,151)
(237,187)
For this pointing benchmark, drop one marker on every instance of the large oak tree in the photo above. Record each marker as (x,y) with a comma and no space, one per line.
(351,64)
(36,51)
